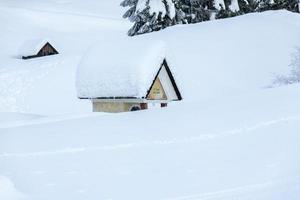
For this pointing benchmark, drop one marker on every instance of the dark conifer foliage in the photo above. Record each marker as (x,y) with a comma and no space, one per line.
(154,15)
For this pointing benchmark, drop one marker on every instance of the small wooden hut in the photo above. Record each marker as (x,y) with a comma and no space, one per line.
(37,48)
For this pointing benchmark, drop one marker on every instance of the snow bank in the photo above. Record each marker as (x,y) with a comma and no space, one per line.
(8,190)
(8,117)
(126,69)
(243,147)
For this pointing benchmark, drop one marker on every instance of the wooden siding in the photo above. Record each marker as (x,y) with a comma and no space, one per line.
(113,107)
(157,91)
(116,107)
(47,50)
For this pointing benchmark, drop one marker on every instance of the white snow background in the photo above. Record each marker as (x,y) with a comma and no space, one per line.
(232,136)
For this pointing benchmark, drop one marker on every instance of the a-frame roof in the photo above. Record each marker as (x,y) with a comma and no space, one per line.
(171,79)
(50,45)
(34,46)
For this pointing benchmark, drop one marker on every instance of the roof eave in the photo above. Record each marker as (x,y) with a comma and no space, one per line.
(128,100)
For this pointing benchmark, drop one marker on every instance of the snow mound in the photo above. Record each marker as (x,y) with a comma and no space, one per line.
(33,46)
(125,70)
(8,190)
(10,116)
(242,147)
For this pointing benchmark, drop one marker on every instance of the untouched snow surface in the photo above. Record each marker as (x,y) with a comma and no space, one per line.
(233,149)
(232,137)
(8,191)
(13,117)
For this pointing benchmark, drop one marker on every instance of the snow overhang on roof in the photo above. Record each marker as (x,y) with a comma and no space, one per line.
(33,46)
(124,70)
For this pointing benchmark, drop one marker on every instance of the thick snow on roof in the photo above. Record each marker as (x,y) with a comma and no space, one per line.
(33,46)
(125,70)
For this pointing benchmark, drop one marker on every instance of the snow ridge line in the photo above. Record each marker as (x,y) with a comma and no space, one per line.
(204,137)
(76,14)
(242,190)
(47,120)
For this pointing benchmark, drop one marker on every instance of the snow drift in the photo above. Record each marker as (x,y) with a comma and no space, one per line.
(8,190)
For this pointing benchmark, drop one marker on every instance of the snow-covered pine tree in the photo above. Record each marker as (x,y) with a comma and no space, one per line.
(218,4)
(194,10)
(265,5)
(248,6)
(227,8)
(234,6)
(294,75)
(130,13)
(154,15)
(149,15)
(180,16)
(291,5)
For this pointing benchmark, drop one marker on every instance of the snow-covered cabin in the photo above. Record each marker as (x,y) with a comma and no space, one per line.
(37,48)
(128,77)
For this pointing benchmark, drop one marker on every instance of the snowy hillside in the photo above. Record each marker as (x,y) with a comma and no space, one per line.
(243,56)
(232,136)
(106,9)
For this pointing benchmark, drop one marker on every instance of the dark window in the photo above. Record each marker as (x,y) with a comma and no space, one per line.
(135,108)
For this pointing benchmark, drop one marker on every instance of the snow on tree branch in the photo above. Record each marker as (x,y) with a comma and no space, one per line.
(294,74)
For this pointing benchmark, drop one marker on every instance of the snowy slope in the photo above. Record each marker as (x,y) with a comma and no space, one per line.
(8,190)
(243,56)
(232,149)
(106,9)
(46,85)
(232,137)
(15,117)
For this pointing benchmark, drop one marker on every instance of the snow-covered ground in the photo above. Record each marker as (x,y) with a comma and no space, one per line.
(233,149)
(232,137)
(8,190)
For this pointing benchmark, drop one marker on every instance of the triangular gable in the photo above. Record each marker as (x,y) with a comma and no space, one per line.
(157,91)
(48,48)
(164,86)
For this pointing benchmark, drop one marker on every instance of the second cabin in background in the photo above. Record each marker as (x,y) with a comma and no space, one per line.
(37,48)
